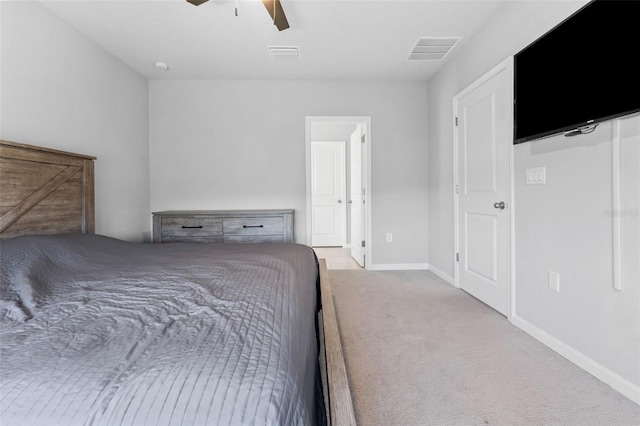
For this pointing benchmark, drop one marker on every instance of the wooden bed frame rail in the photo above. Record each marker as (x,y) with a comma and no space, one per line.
(340,405)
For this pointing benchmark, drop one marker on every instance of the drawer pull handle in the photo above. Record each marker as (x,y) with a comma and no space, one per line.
(192,227)
(253,226)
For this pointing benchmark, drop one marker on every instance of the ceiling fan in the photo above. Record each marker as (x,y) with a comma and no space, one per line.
(273,7)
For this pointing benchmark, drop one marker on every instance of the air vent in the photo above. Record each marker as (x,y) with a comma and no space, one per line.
(432,48)
(284,52)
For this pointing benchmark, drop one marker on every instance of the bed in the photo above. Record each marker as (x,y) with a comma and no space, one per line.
(101,331)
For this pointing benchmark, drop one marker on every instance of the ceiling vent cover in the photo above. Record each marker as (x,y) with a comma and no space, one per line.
(432,48)
(284,52)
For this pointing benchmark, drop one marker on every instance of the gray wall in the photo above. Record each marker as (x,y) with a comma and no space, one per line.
(562,226)
(565,226)
(322,132)
(62,91)
(241,144)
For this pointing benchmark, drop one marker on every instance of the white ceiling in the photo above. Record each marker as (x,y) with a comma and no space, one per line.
(340,39)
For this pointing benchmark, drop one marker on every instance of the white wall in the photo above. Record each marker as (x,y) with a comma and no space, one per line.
(62,91)
(561,226)
(241,144)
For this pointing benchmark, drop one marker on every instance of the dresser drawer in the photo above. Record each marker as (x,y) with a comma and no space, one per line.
(253,238)
(176,226)
(191,239)
(239,226)
(223,226)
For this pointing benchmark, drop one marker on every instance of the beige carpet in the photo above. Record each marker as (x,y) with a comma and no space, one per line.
(420,352)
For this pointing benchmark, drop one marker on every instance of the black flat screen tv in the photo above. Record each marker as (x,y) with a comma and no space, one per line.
(584,71)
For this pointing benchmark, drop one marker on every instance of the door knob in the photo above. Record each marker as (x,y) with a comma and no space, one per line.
(501,205)
(339,201)
(350,202)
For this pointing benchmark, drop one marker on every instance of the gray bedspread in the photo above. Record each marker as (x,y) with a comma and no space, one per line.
(101,331)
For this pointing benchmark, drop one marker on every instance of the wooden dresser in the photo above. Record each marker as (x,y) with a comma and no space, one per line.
(223,226)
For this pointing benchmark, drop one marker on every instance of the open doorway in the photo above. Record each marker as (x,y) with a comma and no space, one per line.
(338,180)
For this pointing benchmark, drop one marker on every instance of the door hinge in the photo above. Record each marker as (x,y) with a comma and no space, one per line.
(363,192)
(457,257)
(457,189)
(456,121)
(362,138)
(363,244)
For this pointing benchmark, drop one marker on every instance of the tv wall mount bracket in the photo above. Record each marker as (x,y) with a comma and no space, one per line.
(582,130)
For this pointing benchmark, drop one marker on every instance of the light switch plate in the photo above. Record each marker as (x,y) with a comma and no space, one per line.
(536,176)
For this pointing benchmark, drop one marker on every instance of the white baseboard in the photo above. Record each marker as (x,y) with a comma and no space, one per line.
(609,377)
(448,278)
(398,266)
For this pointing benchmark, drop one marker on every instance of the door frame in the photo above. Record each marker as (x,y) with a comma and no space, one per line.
(506,66)
(366,122)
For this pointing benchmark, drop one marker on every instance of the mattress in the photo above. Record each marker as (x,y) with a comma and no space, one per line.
(101,331)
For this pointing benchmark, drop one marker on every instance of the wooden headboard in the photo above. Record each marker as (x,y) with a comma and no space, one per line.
(45,191)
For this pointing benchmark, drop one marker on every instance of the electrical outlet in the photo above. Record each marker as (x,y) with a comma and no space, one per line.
(389,237)
(554,281)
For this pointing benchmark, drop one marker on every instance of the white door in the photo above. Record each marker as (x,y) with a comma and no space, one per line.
(328,194)
(356,198)
(483,143)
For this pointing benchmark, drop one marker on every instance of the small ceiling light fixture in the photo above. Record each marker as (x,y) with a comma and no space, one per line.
(161,66)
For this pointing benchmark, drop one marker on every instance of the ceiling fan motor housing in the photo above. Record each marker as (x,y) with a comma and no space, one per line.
(273,7)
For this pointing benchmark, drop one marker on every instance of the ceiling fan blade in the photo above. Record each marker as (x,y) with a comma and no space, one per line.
(197,2)
(274,7)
